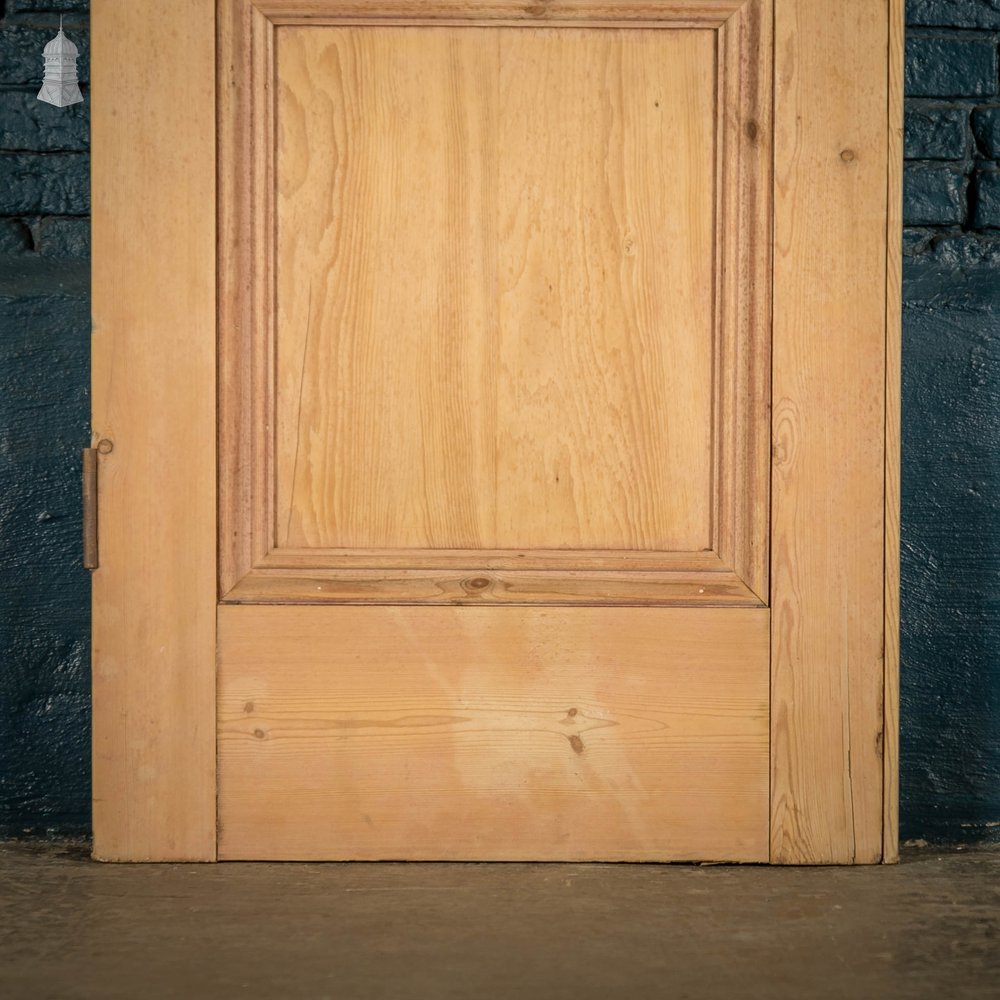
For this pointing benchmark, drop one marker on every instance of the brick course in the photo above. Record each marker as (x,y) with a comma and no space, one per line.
(32,6)
(951,67)
(986,127)
(934,195)
(952,124)
(986,214)
(28,124)
(953,13)
(936,133)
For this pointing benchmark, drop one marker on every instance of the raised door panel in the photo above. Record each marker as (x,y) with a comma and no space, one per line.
(494,288)
(494,312)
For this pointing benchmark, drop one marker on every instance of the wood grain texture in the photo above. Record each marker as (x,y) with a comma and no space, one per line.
(494,298)
(476,585)
(672,13)
(742,445)
(482,577)
(246,287)
(255,529)
(154,398)
(439,733)
(893,437)
(831,150)
(475,698)
(511,559)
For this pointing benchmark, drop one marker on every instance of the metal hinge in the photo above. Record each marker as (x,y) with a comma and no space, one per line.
(90,553)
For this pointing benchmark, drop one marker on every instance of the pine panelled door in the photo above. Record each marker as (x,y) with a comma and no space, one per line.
(498,405)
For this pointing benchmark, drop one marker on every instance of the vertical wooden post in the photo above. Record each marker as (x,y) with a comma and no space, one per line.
(153,164)
(829,417)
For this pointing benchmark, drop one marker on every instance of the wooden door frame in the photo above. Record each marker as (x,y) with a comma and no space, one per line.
(835,421)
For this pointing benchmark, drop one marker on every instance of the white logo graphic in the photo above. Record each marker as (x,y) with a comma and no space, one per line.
(60,85)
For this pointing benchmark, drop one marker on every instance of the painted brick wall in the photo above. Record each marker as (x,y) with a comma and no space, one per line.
(44,411)
(950,744)
(951,383)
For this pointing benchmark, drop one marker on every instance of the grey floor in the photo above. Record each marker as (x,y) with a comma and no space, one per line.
(71,928)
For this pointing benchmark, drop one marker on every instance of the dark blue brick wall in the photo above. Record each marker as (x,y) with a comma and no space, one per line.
(953,13)
(942,66)
(951,414)
(952,133)
(936,194)
(44,420)
(937,133)
(950,712)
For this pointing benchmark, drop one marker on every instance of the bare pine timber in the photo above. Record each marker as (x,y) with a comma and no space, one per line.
(154,399)
(476,363)
(829,403)
(520,13)
(477,586)
(391,409)
(493,733)
(560,729)
(744,139)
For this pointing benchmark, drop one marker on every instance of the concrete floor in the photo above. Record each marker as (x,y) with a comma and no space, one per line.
(71,928)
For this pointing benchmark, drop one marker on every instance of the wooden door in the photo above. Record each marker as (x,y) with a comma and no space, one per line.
(499,414)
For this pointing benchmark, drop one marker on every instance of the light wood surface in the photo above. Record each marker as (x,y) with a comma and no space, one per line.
(483,441)
(153,383)
(893,402)
(742,445)
(493,733)
(675,13)
(478,586)
(245,286)
(827,540)
(473,577)
(494,288)
(533,559)
(454,723)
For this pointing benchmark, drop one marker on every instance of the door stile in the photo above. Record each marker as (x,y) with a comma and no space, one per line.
(828,601)
(153,390)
